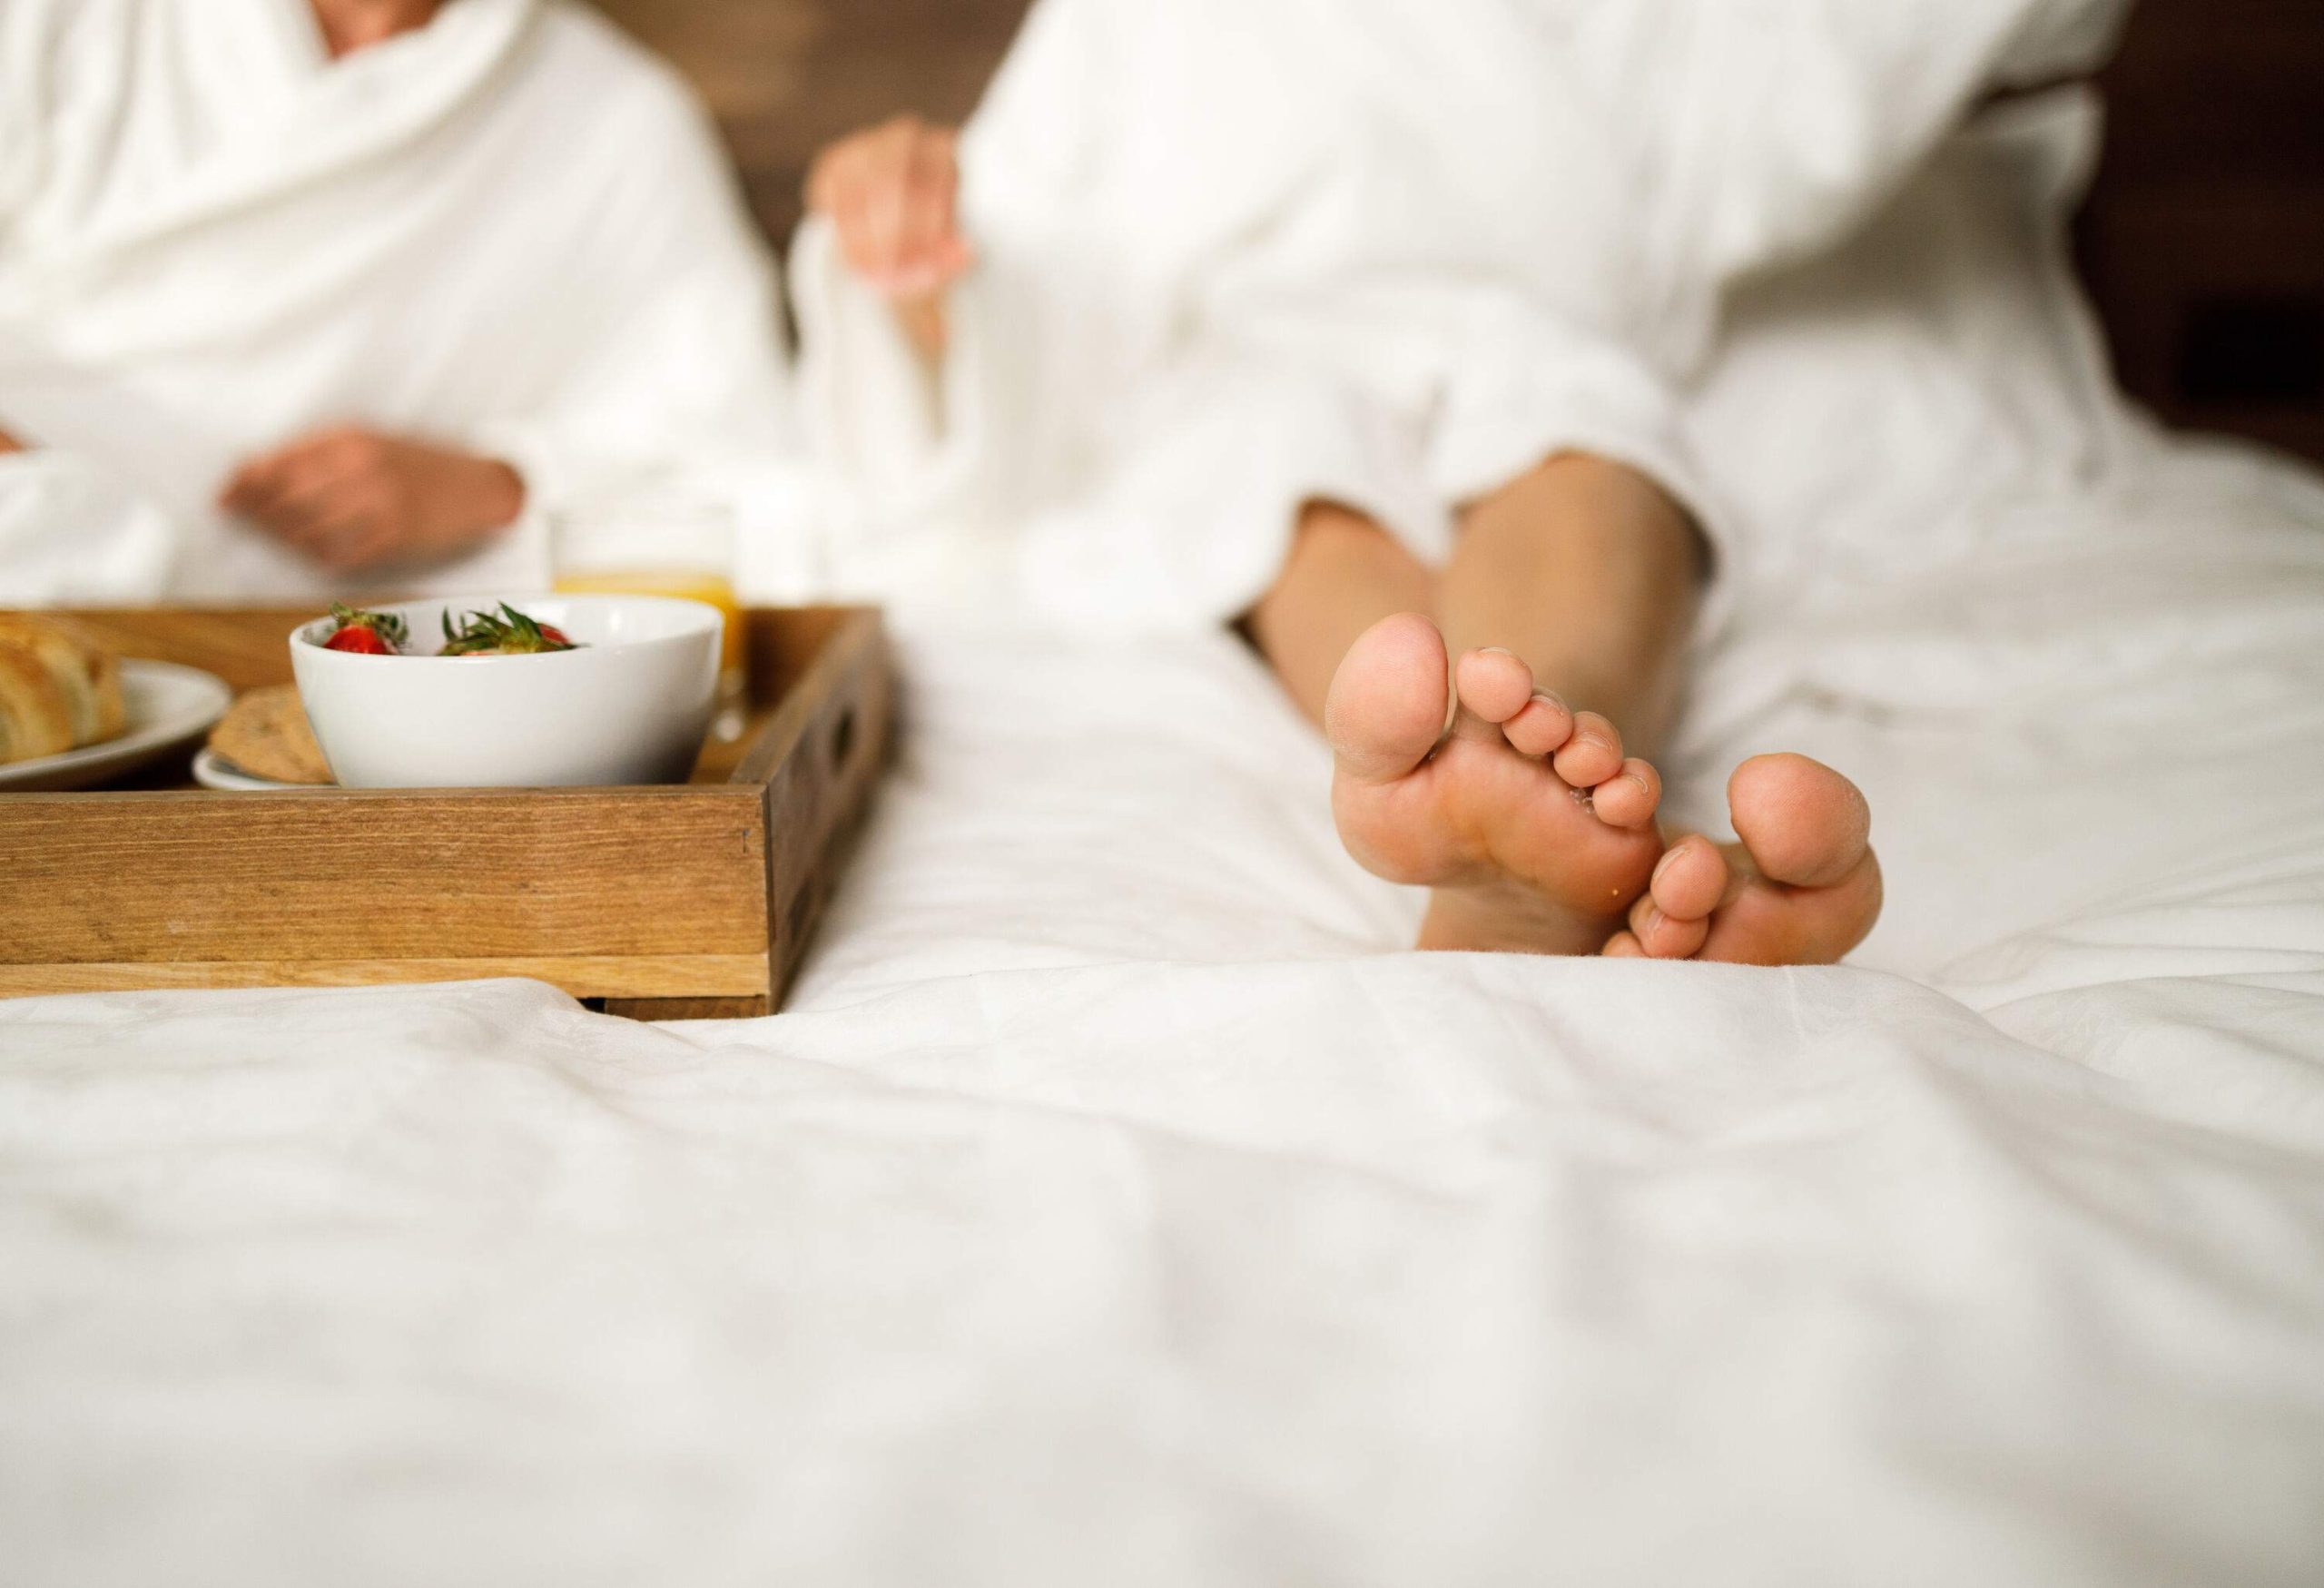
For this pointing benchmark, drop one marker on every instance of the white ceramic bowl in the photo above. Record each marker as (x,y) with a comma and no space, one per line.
(631,705)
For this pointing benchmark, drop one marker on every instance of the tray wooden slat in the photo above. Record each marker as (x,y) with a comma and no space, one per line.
(383,875)
(628,978)
(666,903)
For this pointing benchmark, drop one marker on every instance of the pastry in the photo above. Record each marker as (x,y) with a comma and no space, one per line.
(84,687)
(265,733)
(33,717)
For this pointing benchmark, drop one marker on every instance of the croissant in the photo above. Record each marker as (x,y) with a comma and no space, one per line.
(59,689)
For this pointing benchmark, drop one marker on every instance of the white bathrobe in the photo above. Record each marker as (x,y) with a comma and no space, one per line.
(510,231)
(1237,254)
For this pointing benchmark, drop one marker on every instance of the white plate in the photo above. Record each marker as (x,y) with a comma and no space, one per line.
(165,705)
(211,770)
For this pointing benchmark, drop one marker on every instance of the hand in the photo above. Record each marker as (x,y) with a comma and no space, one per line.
(893,193)
(353,498)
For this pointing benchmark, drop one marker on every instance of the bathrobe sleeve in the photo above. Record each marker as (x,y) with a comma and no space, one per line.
(23,51)
(1026,338)
(1027,477)
(671,368)
(68,532)
(72,535)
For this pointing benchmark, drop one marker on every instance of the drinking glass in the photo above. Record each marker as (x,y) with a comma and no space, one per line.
(659,543)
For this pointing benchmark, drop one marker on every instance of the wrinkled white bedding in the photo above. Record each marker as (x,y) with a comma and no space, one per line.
(1115,1205)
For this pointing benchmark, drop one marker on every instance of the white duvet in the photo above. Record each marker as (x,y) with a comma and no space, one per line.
(1118,1205)
(1115,1205)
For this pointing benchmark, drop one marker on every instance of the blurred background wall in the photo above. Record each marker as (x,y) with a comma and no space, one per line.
(2202,243)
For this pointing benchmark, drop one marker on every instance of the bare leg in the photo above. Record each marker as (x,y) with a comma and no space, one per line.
(1592,575)
(1344,574)
(1582,567)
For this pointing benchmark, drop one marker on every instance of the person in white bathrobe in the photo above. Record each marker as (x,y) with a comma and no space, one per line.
(298,296)
(1365,323)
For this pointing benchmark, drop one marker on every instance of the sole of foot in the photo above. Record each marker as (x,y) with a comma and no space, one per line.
(1801,888)
(1532,827)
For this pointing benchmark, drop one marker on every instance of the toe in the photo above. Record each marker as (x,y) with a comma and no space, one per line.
(1665,937)
(1770,923)
(1386,707)
(1541,725)
(1803,824)
(1629,798)
(1493,684)
(1806,886)
(1593,754)
(1689,879)
(1623,945)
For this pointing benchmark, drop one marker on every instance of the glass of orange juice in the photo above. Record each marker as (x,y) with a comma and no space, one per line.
(656,544)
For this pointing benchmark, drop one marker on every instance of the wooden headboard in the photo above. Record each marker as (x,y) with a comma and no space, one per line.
(2203,239)
(2202,243)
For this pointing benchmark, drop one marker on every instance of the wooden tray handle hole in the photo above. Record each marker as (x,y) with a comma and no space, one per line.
(842,737)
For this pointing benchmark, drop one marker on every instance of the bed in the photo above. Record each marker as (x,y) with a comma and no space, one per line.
(1114,1206)
(1117,1203)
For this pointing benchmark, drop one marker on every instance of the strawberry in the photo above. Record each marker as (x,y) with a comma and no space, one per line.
(367,633)
(508,634)
(362,641)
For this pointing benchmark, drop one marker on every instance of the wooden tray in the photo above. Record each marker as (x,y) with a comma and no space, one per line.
(689,901)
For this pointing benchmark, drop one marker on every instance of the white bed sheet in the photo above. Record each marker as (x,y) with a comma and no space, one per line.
(1117,1205)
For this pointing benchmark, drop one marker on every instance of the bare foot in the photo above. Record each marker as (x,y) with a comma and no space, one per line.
(1534,831)
(1802,888)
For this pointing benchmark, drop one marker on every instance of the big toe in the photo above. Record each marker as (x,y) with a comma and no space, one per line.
(1386,707)
(1803,822)
(1809,885)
